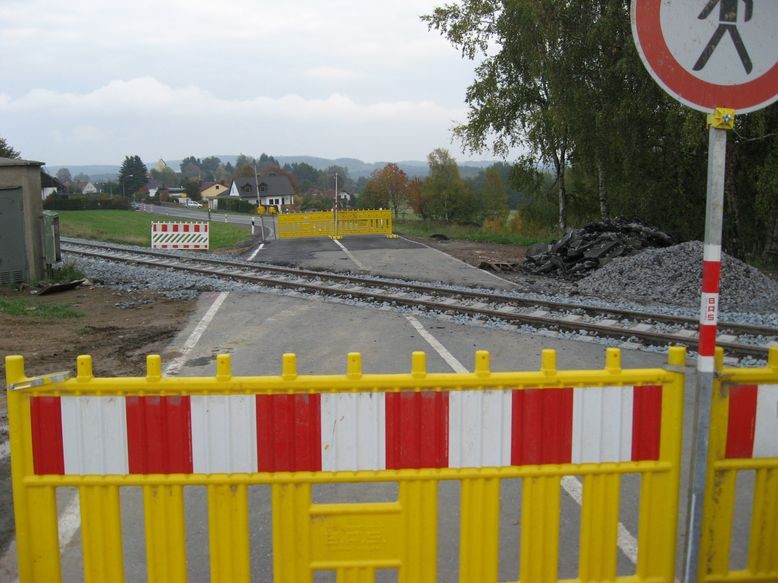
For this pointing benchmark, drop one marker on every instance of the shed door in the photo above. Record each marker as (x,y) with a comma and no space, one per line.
(13,261)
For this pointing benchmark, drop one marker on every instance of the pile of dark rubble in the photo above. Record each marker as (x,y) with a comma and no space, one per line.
(583,250)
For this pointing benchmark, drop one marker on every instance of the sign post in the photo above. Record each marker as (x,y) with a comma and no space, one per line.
(719,57)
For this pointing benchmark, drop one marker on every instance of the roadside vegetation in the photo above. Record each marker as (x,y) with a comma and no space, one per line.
(134,228)
(36,308)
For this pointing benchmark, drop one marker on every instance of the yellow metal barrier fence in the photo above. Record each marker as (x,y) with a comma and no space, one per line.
(227,433)
(322,224)
(743,439)
(298,225)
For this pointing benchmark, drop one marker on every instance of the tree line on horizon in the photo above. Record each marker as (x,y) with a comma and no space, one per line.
(442,196)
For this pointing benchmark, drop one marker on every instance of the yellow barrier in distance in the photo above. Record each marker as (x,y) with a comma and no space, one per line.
(322,224)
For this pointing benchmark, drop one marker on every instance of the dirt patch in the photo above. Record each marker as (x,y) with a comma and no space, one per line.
(499,255)
(118,329)
(475,253)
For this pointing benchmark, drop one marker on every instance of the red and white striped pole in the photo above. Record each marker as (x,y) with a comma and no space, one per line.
(709,309)
(719,122)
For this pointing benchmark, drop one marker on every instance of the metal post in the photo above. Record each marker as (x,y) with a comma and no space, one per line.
(336,205)
(711,275)
(261,221)
(256,184)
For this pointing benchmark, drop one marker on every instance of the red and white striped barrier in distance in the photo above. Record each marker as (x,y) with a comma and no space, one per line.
(344,431)
(179,236)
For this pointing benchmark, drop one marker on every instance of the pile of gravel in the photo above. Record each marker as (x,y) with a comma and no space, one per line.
(673,275)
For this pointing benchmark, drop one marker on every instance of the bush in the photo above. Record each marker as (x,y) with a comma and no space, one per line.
(60,202)
(236,205)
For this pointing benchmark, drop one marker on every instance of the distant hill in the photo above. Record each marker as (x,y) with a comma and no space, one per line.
(356,168)
(96,172)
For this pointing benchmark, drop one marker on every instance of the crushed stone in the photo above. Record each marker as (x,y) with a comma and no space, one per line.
(673,275)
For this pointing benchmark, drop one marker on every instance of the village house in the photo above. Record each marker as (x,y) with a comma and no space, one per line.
(273,190)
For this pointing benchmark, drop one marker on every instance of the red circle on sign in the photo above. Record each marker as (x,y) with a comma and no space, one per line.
(680,83)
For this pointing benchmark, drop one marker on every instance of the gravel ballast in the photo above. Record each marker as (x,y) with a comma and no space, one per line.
(673,276)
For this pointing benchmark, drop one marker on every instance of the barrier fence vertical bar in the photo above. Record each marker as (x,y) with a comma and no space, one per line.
(540,507)
(599,527)
(165,534)
(163,508)
(659,489)
(719,123)
(35,508)
(291,532)
(419,500)
(101,534)
(478,547)
(228,533)
(763,543)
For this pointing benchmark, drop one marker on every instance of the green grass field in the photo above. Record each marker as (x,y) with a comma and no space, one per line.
(134,228)
(34,308)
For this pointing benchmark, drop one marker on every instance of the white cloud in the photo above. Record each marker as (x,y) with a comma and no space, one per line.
(153,119)
(354,78)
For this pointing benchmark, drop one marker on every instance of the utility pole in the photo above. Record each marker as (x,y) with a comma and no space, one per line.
(259,206)
(336,205)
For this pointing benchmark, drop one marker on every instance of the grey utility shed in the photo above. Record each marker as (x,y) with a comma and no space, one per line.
(21,208)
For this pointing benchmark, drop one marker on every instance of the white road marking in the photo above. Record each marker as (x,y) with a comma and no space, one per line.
(257,250)
(350,256)
(439,348)
(626,541)
(177,363)
(495,276)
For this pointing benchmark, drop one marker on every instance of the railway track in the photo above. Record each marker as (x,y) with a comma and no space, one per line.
(626,326)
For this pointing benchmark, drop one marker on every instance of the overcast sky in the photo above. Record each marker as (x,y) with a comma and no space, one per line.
(90,81)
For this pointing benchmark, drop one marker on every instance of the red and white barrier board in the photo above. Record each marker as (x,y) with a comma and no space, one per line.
(179,236)
(344,431)
(752,431)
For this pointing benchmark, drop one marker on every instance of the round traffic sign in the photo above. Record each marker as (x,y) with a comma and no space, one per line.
(710,53)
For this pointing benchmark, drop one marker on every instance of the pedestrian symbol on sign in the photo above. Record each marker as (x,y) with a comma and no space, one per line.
(728,10)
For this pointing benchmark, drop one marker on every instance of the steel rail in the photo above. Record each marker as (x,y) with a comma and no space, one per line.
(434,298)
